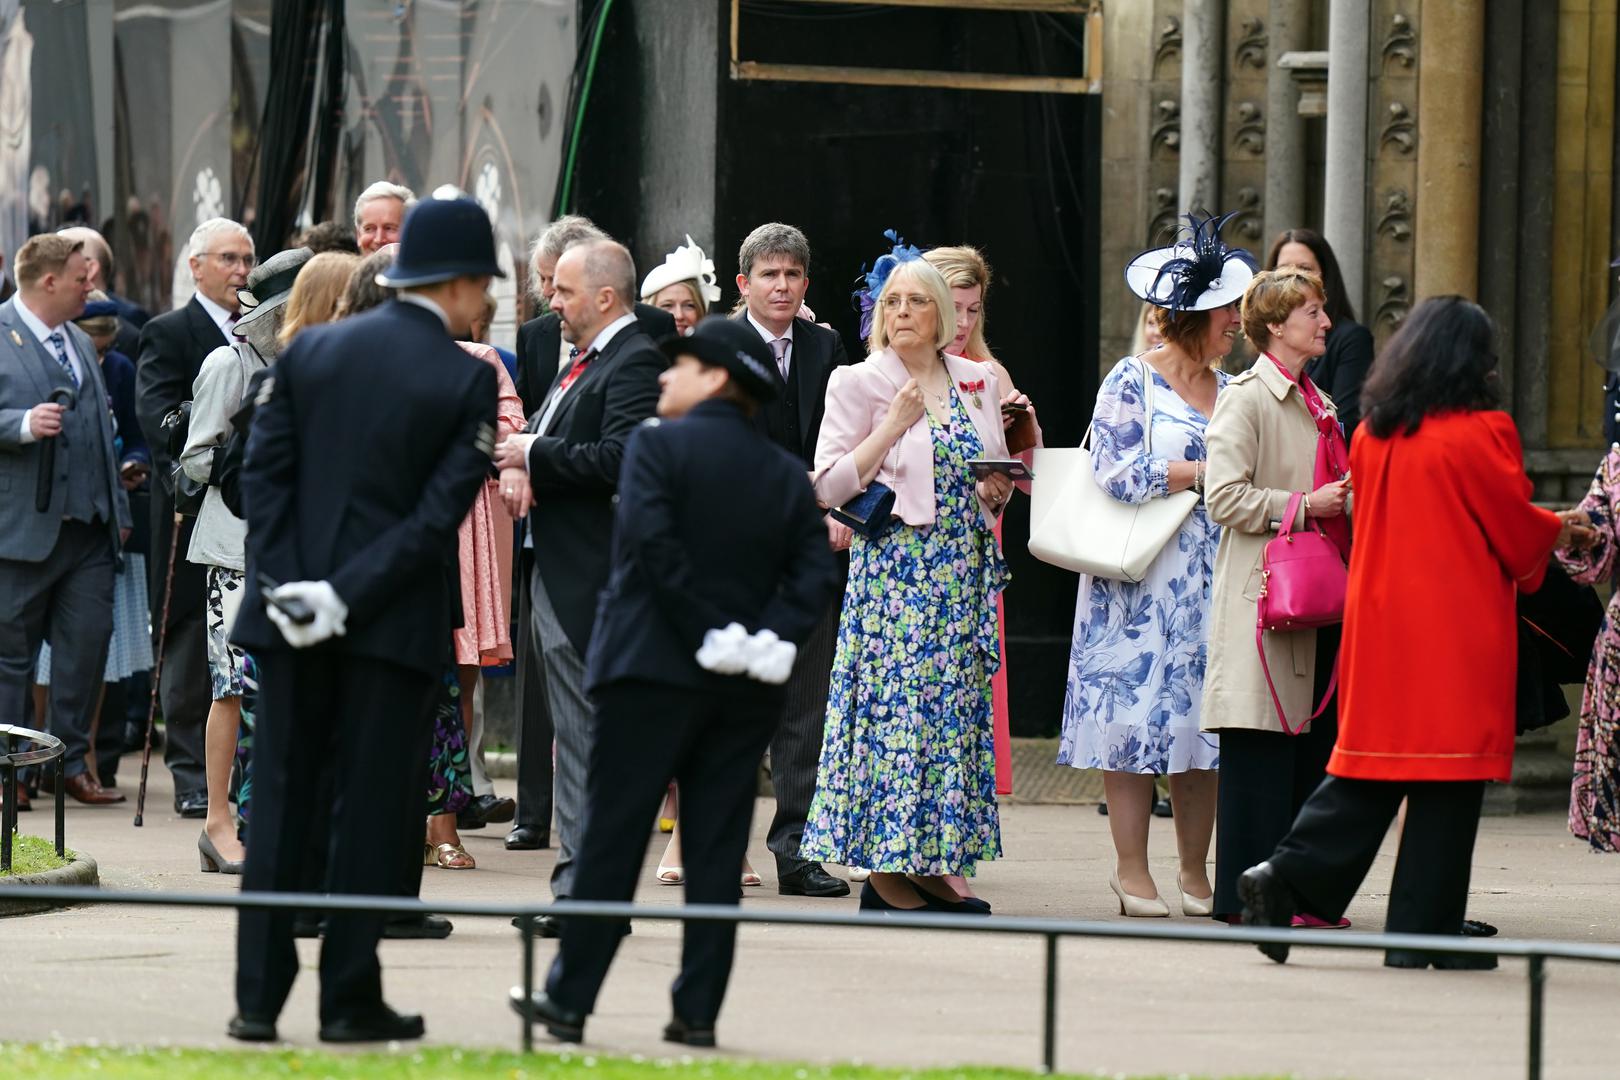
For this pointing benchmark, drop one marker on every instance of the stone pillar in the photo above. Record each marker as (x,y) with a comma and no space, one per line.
(1344,193)
(1538,130)
(1499,178)
(1451,59)
(1202,31)
(1285,128)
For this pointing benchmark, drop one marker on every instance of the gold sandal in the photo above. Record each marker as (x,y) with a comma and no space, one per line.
(450,857)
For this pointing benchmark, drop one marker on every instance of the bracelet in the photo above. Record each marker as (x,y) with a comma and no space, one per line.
(1307,506)
(1198,477)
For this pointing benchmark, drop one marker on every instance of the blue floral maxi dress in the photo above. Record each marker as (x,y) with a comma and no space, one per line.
(1136,663)
(907,780)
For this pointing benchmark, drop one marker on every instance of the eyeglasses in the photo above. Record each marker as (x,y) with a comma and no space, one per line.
(231,258)
(916,303)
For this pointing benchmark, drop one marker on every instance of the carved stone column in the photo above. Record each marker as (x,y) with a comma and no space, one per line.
(1202,30)
(1392,176)
(1451,53)
(1288,31)
(1344,194)
(1246,149)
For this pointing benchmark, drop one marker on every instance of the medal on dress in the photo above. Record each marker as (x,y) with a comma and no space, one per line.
(975,389)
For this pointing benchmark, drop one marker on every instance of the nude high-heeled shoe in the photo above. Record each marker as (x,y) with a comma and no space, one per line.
(1198,906)
(1137,907)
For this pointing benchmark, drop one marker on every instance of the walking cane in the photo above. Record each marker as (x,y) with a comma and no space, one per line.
(157,671)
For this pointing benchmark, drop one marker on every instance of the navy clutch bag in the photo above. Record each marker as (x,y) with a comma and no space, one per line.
(869,513)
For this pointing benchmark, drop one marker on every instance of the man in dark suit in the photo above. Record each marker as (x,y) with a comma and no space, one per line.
(542,352)
(358,523)
(66,514)
(172,349)
(720,566)
(567,465)
(773,273)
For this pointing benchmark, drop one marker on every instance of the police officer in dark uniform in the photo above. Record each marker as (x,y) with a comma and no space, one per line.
(720,568)
(369,443)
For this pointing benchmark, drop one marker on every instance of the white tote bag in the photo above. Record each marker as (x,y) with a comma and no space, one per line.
(1075,524)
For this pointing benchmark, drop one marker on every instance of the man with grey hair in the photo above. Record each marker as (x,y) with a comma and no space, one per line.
(567,465)
(379,214)
(172,349)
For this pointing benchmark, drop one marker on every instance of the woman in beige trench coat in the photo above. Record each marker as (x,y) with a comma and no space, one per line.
(1263,447)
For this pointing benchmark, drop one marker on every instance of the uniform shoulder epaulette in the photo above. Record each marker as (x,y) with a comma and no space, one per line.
(1246,376)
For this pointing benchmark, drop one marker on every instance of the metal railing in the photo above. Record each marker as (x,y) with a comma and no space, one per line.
(50,749)
(1536,953)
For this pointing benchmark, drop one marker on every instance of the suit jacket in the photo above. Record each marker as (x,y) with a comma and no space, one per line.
(539,343)
(714,526)
(574,470)
(370,502)
(28,374)
(793,420)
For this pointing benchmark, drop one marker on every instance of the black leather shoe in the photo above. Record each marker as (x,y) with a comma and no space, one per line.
(1416,958)
(308,925)
(485,809)
(527,838)
(191,804)
(381,1024)
(1267,901)
(811,880)
(679,1031)
(435,927)
(1476,928)
(252,1028)
(872,900)
(565,1025)
(545,926)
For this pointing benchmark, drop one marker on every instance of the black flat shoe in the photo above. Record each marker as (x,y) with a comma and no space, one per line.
(679,1031)
(565,1025)
(418,927)
(1267,901)
(872,901)
(1476,928)
(958,907)
(975,905)
(527,838)
(1417,958)
(811,880)
(379,1025)
(308,925)
(251,1028)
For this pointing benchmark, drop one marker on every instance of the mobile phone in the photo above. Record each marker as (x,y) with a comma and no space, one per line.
(1015,406)
(1009,467)
(299,612)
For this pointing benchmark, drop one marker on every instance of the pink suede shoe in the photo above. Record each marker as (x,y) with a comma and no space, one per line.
(1311,922)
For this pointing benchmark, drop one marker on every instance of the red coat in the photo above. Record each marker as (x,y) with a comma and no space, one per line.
(1444,530)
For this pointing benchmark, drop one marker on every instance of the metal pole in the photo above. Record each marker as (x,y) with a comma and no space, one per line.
(1049,1030)
(526,925)
(61,805)
(1538,979)
(10,816)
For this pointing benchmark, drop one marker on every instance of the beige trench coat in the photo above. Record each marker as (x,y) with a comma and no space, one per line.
(1262,449)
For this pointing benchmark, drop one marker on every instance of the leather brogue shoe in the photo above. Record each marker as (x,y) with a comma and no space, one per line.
(191,804)
(87,791)
(252,1028)
(527,838)
(679,1031)
(1267,901)
(418,927)
(811,880)
(379,1024)
(565,1025)
(485,809)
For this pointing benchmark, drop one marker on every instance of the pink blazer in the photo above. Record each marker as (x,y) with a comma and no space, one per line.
(858,397)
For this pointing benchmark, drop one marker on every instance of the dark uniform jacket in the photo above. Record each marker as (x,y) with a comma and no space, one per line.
(539,342)
(715,525)
(369,443)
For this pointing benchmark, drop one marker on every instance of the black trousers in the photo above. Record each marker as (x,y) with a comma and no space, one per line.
(710,744)
(1327,854)
(372,721)
(796,746)
(535,733)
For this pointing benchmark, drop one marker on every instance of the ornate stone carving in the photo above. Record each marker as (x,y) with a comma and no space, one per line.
(1247,216)
(1399,130)
(1395,217)
(1168,43)
(1395,302)
(1166,126)
(1251,128)
(1251,45)
(1162,225)
(1400,44)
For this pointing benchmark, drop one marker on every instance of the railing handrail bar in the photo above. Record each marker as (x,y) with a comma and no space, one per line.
(51,747)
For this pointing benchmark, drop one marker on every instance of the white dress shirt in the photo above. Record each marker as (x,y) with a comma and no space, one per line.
(43,333)
(602,340)
(222,318)
(764,332)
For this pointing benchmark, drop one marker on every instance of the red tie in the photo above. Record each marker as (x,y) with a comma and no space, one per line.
(575,371)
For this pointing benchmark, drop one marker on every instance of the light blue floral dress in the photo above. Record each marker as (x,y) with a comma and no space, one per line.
(1136,663)
(907,781)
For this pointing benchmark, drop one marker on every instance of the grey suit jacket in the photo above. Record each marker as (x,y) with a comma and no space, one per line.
(28,374)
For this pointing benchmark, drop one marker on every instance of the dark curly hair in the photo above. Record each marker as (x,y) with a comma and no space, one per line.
(1442,359)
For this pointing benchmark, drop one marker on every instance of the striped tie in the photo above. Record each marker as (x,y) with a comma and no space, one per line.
(59,350)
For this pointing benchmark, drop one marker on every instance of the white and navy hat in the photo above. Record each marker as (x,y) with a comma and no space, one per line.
(733,345)
(686,263)
(446,236)
(1197,273)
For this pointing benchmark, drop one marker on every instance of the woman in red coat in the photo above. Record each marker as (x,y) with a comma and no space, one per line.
(1445,534)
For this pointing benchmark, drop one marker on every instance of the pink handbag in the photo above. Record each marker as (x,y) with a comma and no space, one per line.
(1302,586)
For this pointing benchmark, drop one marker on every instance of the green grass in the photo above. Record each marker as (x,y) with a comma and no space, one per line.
(439,1063)
(34,855)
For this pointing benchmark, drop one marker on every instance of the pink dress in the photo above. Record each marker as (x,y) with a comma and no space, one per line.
(485,548)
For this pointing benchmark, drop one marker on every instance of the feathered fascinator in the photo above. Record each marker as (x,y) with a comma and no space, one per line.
(872,280)
(1196,273)
(685,263)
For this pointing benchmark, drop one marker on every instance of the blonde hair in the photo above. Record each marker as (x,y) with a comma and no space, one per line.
(693,290)
(1272,296)
(918,272)
(316,292)
(47,253)
(97,325)
(963,267)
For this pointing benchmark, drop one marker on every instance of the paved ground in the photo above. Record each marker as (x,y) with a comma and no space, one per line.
(149,975)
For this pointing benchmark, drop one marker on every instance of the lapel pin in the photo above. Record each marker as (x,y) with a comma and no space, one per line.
(16,339)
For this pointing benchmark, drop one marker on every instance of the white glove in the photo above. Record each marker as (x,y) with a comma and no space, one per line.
(330,613)
(724,651)
(770,659)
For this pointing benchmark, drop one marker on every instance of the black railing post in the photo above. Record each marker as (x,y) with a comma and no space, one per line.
(1538,980)
(1049,1029)
(526,925)
(61,807)
(10,816)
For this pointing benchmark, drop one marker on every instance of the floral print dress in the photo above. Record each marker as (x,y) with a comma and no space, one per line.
(1594,801)
(1136,663)
(907,780)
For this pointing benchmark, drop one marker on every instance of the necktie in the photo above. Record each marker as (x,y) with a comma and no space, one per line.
(59,350)
(779,347)
(542,423)
(575,371)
